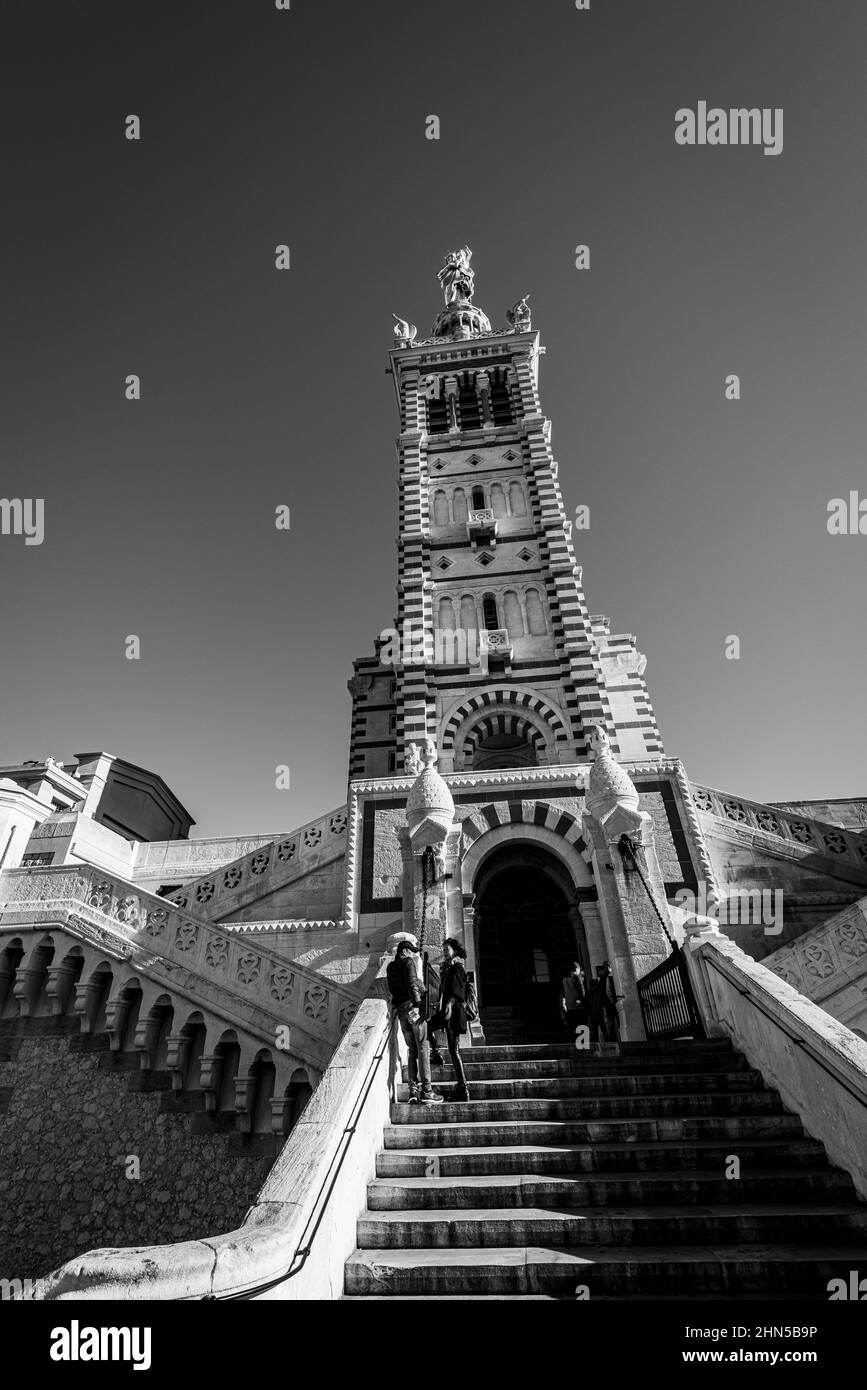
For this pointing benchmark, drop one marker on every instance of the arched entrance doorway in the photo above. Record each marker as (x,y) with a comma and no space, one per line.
(526,941)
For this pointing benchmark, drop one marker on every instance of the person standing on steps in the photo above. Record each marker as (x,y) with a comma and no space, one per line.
(602,1006)
(407,993)
(609,1001)
(573,999)
(451,1013)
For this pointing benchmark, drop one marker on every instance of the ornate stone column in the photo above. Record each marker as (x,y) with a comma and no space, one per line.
(621,841)
(483,391)
(430,847)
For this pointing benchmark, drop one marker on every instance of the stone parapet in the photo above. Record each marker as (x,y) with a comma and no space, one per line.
(817,1064)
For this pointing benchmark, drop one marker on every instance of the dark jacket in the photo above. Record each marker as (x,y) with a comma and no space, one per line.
(601,996)
(453,986)
(403,982)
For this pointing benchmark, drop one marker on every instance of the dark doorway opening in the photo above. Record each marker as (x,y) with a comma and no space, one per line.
(526,944)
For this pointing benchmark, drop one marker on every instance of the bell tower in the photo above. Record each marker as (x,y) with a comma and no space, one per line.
(493,652)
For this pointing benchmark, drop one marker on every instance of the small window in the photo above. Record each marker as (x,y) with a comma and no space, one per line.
(392,761)
(489,608)
(501,404)
(437,416)
(478,499)
(468,403)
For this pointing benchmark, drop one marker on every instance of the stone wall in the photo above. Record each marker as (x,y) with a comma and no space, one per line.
(68,1128)
(317,895)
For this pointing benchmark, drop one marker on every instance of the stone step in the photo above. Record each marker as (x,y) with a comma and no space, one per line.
(766,1297)
(693,1049)
(591,1108)
(576,1087)
(691,1157)
(425,1134)
(586,1064)
(739,1270)
(669,1187)
(481,1227)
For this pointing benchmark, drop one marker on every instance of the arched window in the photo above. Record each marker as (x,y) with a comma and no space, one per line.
(298,1092)
(128,1018)
(10,959)
(437,415)
(478,499)
(535,613)
(163,1014)
(459,505)
(191,1058)
(501,403)
(512,613)
(489,608)
(446,618)
(440,508)
(263,1074)
(229,1053)
(468,401)
(498,500)
(517,501)
(469,621)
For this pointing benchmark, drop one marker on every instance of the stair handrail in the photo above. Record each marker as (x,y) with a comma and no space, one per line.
(304,1249)
(793,1037)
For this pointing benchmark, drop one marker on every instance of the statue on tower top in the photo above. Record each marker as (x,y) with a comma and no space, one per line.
(456,278)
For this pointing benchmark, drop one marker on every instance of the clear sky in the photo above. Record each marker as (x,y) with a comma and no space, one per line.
(261,388)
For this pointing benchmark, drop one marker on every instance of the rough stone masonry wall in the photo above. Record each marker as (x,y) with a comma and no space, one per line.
(66,1130)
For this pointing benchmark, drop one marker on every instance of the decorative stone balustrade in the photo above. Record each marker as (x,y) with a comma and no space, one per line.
(828,958)
(244,983)
(497,642)
(802,833)
(267,866)
(482,527)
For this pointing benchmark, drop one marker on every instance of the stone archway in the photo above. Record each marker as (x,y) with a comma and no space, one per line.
(525,928)
(503,712)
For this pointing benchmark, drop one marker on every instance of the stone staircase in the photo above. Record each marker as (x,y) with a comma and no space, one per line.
(571,1171)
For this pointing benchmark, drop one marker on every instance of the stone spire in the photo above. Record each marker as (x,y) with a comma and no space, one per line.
(460,318)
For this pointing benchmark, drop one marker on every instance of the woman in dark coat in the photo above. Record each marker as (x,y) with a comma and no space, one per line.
(451,1013)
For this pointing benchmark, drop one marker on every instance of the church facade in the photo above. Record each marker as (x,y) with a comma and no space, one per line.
(548,825)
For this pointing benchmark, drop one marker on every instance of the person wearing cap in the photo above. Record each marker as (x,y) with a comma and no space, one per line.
(405,986)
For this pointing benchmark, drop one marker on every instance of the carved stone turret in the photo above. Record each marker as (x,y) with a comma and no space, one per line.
(430,810)
(611,795)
